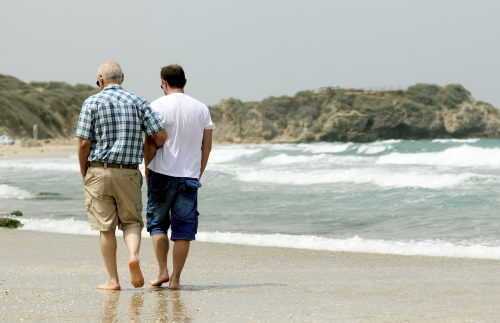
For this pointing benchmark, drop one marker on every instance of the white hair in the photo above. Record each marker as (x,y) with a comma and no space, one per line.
(110,72)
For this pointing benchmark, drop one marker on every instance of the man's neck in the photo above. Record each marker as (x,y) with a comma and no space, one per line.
(106,84)
(174,90)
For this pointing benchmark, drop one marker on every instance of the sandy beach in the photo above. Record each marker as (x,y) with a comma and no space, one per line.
(56,148)
(48,276)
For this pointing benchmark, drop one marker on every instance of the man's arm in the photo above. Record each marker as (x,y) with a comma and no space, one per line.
(206,148)
(84,146)
(151,143)
(159,138)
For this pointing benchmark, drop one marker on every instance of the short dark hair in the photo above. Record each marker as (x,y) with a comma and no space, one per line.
(174,75)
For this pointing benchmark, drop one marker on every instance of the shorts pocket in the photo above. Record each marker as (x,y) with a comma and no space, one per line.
(90,214)
(138,209)
(193,183)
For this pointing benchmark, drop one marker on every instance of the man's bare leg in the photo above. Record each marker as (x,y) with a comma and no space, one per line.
(160,243)
(181,249)
(108,249)
(132,237)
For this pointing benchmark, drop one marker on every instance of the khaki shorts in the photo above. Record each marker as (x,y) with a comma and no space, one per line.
(113,198)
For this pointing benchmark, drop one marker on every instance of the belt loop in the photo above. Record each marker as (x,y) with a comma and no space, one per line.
(121,166)
(105,165)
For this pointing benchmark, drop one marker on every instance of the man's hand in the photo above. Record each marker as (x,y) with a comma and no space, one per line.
(150,146)
(84,146)
(206,147)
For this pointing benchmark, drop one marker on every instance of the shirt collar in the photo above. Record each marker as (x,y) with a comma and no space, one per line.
(113,87)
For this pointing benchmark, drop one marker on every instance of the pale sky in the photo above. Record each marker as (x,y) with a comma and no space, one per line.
(254,49)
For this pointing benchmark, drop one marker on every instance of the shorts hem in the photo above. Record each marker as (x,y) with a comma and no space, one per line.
(190,238)
(104,229)
(131,225)
(157,231)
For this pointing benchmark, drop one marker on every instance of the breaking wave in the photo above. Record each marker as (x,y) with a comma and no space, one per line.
(12,192)
(360,176)
(463,156)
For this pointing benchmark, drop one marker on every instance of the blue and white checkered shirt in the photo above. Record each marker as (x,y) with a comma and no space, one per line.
(113,120)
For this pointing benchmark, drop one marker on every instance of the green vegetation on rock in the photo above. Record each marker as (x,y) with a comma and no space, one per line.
(423,111)
(10,223)
(16,213)
(304,93)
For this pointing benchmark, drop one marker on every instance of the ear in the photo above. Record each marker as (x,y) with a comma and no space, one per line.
(185,82)
(123,77)
(101,81)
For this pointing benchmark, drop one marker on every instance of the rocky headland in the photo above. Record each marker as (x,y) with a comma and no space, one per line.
(423,111)
(53,106)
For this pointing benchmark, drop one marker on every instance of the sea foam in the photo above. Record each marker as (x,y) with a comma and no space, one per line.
(359,176)
(222,154)
(435,248)
(63,164)
(12,192)
(324,147)
(444,141)
(463,156)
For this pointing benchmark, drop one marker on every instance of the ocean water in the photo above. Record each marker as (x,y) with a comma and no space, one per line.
(434,198)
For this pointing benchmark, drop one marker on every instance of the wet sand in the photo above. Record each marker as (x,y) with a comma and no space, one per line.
(46,276)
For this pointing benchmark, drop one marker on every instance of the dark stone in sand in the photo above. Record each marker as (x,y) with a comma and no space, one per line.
(10,223)
(16,213)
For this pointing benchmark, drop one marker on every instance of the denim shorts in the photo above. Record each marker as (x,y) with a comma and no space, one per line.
(173,201)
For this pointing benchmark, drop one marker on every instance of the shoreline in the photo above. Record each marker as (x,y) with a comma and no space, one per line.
(58,148)
(47,279)
(424,248)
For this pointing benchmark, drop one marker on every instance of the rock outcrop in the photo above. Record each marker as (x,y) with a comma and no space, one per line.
(10,223)
(423,111)
(53,106)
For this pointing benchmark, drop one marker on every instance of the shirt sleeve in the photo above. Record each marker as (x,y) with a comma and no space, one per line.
(151,122)
(208,120)
(85,127)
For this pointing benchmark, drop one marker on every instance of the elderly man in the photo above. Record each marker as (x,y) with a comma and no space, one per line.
(174,170)
(110,132)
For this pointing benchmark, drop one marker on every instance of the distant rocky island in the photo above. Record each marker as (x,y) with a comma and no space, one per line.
(423,111)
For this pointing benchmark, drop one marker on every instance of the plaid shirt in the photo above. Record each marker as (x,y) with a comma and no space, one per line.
(113,120)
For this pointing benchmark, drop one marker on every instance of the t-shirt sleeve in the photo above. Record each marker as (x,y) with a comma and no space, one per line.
(85,127)
(151,122)
(208,120)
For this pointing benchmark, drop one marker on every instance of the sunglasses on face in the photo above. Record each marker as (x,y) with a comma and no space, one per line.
(97,82)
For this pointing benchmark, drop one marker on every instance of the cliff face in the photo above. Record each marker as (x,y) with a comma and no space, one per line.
(423,111)
(54,106)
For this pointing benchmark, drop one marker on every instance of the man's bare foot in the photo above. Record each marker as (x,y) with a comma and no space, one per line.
(174,283)
(136,274)
(110,285)
(162,278)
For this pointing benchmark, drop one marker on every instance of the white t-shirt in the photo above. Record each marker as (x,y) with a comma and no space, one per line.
(185,119)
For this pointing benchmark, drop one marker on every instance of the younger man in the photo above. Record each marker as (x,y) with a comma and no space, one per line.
(173,173)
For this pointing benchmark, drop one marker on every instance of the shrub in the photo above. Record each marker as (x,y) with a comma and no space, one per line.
(452,95)
(423,93)
(304,93)
(317,128)
(215,113)
(343,99)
